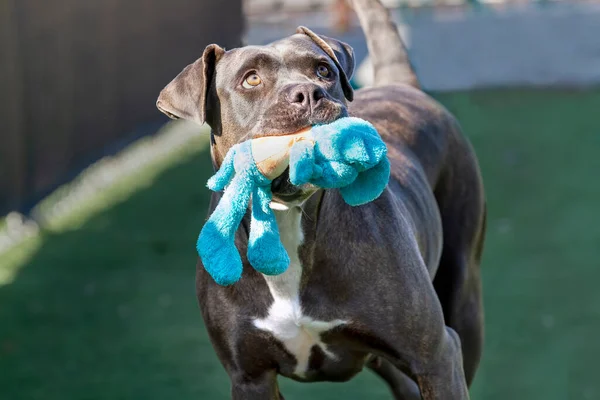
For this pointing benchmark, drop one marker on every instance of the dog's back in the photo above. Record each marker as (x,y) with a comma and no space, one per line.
(427,147)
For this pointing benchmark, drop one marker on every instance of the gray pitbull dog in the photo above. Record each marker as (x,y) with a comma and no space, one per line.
(393,285)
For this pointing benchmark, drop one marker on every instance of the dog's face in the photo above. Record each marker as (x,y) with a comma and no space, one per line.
(255,91)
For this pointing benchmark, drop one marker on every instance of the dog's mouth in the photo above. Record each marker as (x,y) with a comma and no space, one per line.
(287,194)
(283,189)
(273,125)
(305,128)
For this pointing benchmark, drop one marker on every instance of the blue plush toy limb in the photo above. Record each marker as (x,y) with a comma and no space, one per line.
(368,185)
(308,166)
(349,140)
(216,243)
(348,154)
(335,174)
(223,176)
(302,163)
(355,142)
(265,250)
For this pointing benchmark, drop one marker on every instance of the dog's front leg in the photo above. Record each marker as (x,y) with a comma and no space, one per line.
(263,387)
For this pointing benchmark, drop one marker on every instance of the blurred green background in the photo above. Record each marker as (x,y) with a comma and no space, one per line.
(103,306)
(101,303)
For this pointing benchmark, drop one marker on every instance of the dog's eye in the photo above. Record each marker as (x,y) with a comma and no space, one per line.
(323,71)
(251,81)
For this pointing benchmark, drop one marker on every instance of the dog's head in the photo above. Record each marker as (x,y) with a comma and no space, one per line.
(255,91)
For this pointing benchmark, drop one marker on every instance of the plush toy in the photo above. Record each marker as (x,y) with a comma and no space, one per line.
(347,154)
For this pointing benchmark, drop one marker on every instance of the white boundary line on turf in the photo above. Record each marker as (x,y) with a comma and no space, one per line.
(170,139)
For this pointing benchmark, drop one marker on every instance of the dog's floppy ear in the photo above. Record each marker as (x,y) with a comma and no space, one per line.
(186,96)
(341,53)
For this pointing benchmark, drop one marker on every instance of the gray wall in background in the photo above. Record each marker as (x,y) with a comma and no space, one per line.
(78,77)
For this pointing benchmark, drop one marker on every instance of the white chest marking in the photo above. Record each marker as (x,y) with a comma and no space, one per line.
(285,321)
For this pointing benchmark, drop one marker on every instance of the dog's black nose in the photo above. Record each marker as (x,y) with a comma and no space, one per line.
(306,95)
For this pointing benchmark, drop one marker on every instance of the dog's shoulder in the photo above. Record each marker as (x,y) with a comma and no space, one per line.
(416,128)
(404,102)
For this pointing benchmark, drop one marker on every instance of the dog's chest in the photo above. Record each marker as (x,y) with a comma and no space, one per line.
(286,320)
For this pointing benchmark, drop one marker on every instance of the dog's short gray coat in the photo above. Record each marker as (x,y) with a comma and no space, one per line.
(394,284)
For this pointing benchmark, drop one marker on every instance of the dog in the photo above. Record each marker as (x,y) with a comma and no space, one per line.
(393,285)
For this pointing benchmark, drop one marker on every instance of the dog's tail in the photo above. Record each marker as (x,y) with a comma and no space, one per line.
(386,48)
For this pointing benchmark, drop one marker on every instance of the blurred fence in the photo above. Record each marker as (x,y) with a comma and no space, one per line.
(258,7)
(269,6)
(79,77)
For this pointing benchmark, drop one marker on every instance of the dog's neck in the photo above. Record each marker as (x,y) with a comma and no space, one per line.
(286,319)
(285,288)
(297,224)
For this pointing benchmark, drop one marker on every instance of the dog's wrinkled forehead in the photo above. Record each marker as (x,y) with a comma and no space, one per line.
(293,53)
(298,46)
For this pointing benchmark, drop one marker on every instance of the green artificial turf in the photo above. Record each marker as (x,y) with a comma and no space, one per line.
(104,307)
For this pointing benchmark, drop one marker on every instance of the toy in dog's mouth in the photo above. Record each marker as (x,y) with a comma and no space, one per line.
(271,154)
(347,155)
